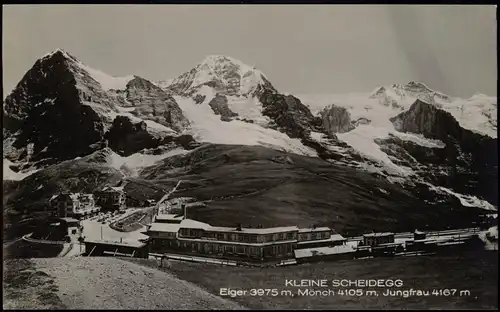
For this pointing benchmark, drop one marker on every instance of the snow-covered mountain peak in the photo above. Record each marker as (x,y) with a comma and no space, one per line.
(418,86)
(225,74)
(107,82)
(59,52)
(483,97)
(163,84)
(403,95)
(223,64)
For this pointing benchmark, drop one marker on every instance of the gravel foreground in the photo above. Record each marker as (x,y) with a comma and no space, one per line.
(111,283)
(25,288)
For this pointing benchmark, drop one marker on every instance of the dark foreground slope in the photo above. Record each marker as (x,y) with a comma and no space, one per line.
(102,283)
(255,185)
(26,287)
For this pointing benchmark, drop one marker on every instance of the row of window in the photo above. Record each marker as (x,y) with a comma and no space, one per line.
(314,236)
(238,249)
(378,240)
(167,234)
(252,238)
(235,237)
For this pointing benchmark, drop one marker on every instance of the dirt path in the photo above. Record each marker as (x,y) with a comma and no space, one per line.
(111,283)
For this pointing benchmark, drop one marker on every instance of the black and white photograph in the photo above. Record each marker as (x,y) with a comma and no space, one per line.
(249,157)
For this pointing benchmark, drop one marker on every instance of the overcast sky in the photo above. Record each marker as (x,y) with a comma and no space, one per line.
(301,49)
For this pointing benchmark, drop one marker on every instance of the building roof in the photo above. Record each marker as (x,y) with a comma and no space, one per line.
(337,237)
(165,227)
(112,189)
(71,195)
(323,251)
(378,234)
(333,238)
(169,216)
(389,244)
(74,196)
(419,232)
(193,224)
(69,220)
(253,230)
(135,244)
(317,229)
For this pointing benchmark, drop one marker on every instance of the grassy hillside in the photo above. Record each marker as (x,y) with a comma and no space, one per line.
(256,185)
(28,198)
(253,185)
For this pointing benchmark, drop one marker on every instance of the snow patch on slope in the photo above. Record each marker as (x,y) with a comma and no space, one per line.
(106,81)
(465,200)
(363,138)
(248,108)
(163,84)
(132,165)
(478,114)
(322,138)
(9,174)
(109,115)
(207,127)
(208,93)
(419,139)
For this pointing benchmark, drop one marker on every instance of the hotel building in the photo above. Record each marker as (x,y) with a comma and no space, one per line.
(111,198)
(177,234)
(74,205)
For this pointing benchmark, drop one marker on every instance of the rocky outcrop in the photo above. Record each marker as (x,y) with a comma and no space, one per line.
(126,137)
(154,104)
(426,119)
(360,121)
(467,164)
(199,98)
(385,99)
(336,119)
(47,111)
(289,114)
(59,111)
(220,107)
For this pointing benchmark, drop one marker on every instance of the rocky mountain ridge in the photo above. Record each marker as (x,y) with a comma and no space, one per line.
(63,110)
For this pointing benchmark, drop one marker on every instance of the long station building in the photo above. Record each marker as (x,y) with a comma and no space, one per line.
(175,233)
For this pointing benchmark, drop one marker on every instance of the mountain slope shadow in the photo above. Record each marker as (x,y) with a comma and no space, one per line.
(255,185)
